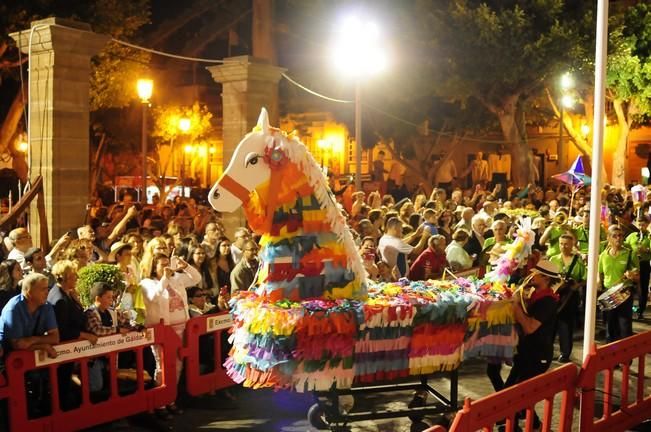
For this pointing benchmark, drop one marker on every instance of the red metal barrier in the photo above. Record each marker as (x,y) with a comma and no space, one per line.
(484,413)
(198,383)
(88,413)
(606,359)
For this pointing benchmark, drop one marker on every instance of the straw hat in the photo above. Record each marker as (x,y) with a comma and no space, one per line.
(116,248)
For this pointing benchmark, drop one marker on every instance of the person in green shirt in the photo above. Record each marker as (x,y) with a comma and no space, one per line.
(618,264)
(581,233)
(552,234)
(574,271)
(640,243)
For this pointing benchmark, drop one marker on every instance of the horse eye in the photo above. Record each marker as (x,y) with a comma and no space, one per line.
(252,159)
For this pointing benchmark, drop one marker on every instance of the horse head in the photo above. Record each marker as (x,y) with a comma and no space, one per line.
(247,169)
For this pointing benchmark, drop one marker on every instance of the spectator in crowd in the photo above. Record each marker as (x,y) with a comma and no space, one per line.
(21,240)
(466,219)
(393,249)
(224,265)
(27,321)
(431,262)
(166,300)
(131,302)
(71,322)
(475,243)
(155,246)
(243,275)
(102,320)
(242,235)
(455,252)
(37,263)
(10,275)
(368,253)
(211,239)
(197,258)
(445,225)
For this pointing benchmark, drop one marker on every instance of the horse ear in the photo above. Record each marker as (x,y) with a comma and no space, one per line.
(263,121)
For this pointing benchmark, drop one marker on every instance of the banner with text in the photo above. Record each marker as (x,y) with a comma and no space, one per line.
(74,350)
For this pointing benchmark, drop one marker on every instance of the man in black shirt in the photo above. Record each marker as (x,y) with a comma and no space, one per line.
(537,319)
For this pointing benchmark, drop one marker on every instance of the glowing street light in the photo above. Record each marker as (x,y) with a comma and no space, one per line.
(567,101)
(23,147)
(357,51)
(585,129)
(185,124)
(145,88)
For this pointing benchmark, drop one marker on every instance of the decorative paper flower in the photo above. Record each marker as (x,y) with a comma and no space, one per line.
(275,157)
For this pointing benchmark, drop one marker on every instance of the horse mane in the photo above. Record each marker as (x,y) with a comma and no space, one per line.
(298,153)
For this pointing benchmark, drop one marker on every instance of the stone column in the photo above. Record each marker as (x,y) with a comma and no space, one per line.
(59,74)
(248,84)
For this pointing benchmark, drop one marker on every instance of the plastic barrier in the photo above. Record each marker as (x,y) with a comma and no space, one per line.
(484,413)
(605,359)
(198,383)
(88,413)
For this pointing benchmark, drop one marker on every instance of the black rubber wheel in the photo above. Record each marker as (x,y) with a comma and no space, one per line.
(316,417)
(417,401)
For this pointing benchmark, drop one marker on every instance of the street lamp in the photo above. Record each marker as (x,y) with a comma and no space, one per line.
(145,88)
(567,101)
(357,51)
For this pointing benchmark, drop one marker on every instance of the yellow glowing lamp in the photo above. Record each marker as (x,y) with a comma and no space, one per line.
(145,88)
(23,146)
(189,148)
(185,124)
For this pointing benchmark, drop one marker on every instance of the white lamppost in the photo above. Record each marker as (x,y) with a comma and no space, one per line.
(358,52)
(145,88)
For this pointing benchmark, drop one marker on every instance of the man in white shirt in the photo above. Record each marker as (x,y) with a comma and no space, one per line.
(241,236)
(22,242)
(393,249)
(446,172)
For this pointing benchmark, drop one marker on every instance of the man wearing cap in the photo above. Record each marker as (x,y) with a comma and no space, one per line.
(536,316)
(574,271)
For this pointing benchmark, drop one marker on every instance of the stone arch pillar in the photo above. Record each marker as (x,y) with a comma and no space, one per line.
(59,71)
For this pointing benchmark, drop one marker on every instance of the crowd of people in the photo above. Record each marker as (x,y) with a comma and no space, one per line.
(178,262)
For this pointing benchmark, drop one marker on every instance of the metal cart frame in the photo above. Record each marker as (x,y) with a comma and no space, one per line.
(325,413)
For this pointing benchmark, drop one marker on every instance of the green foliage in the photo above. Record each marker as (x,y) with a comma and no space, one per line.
(629,61)
(90,274)
(116,68)
(166,121)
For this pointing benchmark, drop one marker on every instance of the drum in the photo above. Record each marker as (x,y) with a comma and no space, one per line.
(614,297)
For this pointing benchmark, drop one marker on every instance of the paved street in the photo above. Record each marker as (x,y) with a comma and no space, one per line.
(268,411)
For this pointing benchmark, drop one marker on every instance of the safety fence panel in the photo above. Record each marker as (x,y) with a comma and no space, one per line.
(618,410)
(204,353)
(485,413)
(25,368)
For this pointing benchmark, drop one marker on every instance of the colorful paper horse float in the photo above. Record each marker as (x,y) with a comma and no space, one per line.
(309,322)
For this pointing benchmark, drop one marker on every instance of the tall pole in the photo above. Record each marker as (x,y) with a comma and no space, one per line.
(143,140)
(358,135)
(597,181)
(561,150)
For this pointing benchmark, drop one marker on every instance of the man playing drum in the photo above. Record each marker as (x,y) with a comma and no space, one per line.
(618,265)
(574,271)
(640,243)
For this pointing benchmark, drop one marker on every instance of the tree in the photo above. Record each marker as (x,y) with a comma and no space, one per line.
(500,53)
(167,130)
(629,77)
(113,69)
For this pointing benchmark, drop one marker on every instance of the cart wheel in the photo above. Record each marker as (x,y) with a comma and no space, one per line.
(316,417)
(417,401)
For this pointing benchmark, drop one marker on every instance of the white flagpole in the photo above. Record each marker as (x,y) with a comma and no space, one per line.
(597,181)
